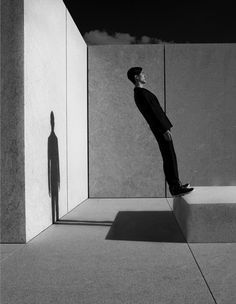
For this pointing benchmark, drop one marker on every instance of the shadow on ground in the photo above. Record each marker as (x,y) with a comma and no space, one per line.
(150,226)
(83,222)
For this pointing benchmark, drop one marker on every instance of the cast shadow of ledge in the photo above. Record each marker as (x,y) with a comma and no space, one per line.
(149,226)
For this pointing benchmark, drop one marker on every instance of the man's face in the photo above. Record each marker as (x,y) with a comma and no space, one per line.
(141,78)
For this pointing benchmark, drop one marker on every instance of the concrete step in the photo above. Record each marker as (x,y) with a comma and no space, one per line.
(207,215)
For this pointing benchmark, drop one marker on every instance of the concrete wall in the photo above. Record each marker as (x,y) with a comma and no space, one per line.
(124,160)
(200,101)
(12,213)
(55,80)
(201,94)
(44,64)
(76,115)
(45,91)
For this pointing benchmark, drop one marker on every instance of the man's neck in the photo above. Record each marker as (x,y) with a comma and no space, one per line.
(139,85)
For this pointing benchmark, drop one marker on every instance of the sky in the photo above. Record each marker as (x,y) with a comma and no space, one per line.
(127,22)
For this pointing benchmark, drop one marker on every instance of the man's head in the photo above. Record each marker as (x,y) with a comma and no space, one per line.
(136,76)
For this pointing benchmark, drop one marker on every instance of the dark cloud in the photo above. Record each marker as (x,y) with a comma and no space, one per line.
(102,37)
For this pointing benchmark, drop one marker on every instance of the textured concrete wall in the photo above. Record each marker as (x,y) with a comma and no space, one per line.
(45,91)
(201,94)
(200,101)
(76,115)
(124,158)
(43,69)
(12,213)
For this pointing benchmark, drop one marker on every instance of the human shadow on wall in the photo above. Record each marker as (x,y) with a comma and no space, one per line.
(150,226)
(53,171)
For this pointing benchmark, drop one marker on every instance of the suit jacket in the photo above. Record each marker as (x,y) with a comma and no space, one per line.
(149,106)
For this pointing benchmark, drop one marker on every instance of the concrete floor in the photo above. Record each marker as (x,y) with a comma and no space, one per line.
(141,258)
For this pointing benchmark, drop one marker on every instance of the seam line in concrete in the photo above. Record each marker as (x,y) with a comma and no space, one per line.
(195,260)
(67,163)
(11,254)
(124,198)
(74,208)
(84,223)
(202,273)
(164,83)
(88,118)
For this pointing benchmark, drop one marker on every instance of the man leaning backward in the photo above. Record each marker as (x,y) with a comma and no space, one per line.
(160,125)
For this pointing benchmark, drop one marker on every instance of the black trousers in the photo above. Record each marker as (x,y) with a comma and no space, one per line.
(170,164)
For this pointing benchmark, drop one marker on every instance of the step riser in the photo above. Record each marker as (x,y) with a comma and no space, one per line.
(207,222)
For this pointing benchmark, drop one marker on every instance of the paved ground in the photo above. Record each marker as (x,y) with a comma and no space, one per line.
(141,258)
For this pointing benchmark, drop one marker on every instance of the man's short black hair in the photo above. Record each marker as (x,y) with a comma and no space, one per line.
(132,72)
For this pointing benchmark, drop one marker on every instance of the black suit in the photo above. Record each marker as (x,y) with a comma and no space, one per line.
(159,123)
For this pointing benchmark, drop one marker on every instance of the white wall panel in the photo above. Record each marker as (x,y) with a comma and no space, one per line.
(44,69)
(76,115)
(45,91)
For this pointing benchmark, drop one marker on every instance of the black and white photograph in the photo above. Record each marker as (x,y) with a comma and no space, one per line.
(118,152)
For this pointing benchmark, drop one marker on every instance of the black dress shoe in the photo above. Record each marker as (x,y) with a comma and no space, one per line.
(185,185)
(180,191)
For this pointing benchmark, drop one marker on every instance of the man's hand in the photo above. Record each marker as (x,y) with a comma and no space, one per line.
(167,135)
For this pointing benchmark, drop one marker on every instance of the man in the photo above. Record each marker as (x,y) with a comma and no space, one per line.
(160,125)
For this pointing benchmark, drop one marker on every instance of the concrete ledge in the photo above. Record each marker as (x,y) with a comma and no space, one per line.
(207,215)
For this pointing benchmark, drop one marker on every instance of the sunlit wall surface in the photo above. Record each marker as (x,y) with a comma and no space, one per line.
(45,91)
(43,71)
(76,115)
(55,80)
